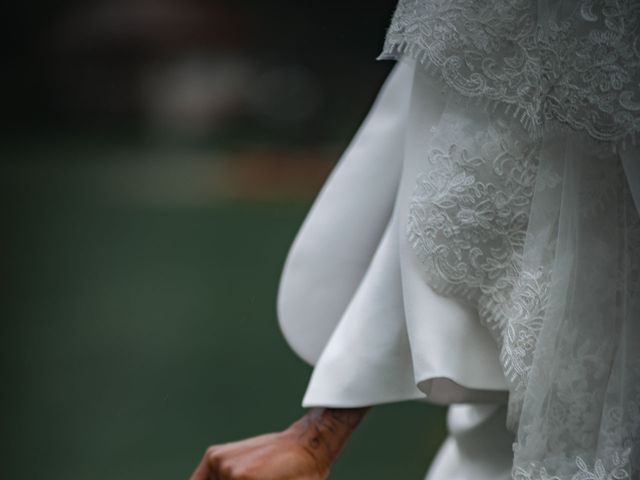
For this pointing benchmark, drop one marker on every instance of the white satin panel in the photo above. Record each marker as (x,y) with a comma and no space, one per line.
(383,333)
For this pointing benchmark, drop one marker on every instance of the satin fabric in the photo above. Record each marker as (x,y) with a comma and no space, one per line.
(353,301)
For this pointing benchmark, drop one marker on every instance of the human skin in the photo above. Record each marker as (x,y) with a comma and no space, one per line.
(304,451)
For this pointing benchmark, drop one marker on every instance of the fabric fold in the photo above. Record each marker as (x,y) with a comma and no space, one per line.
(337,240)
(395,339)
(480,239)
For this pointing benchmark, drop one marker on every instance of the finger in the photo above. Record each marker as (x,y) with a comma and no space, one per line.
(206,469)
(201,472)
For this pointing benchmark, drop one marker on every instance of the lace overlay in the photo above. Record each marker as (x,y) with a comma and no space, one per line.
(467,223)
(615,468)
(542,237)
(573,61)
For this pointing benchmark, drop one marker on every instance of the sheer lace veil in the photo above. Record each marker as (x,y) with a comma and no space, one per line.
(575,409)
(528,209)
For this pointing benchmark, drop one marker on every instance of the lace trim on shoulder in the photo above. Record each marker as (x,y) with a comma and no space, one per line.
(579,66)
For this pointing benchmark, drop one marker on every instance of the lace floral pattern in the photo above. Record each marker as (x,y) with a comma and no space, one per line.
(615,469)
(467,223)
(496,218)
(576,61)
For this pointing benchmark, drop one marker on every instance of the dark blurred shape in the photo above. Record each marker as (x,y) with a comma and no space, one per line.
(195,95)
(108,47)
(277,70)
(284,94)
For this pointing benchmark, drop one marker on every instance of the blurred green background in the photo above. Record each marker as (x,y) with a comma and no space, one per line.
(158,158)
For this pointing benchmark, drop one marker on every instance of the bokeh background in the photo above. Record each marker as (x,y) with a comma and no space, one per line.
(157,158)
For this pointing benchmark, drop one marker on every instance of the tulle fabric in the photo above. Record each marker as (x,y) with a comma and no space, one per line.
(542,238)
(525,211)
(536,238)
(578,416)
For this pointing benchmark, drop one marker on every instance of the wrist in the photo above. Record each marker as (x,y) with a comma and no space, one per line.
(324,431)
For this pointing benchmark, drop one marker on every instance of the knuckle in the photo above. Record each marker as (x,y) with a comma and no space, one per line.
(211,449)
(212,453)
(226,470)
(244,475)
(235,475)
(229,471)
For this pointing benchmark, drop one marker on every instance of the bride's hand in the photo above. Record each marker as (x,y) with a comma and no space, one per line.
(304,451)
(275,456)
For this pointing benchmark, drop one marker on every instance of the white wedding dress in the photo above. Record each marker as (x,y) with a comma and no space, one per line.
(353,301)
(469,254)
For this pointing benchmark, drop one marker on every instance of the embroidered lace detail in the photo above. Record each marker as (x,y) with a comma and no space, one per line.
(575,62)
(614,469)
(544,241)
(467,223)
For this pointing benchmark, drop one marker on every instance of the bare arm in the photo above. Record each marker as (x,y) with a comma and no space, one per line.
(304,451)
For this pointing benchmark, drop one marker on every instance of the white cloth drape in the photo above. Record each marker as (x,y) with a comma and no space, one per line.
(451,257)
(352,297)
(481,239)
(525,211)
(353,300)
